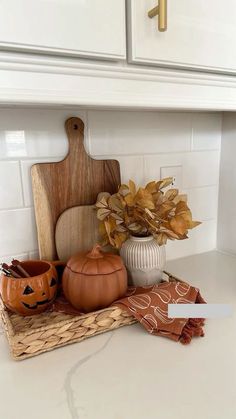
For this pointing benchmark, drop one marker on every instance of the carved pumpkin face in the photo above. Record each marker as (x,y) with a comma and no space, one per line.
(28,296)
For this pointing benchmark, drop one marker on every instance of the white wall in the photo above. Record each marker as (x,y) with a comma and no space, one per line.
(143,142)
(227,191)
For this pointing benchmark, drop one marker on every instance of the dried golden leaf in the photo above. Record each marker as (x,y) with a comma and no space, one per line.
(135,227)
(119,239)
(123,190)
(107,227)
(171,194)
(153,226)
(192,224)
(186,215)
(102,195)
(144,203)
(178,224)
(169,233)
(182,197)
(103,213)
(164,209)
(143,194)
(102,203)
(144,199)
(121,229)
(115,203)
(129,199)
(158,198)
(132,187)
(181,208)
(113,224)
(108,232)
(163,183)
(122,200)
(161,238)
(117,217)
(151,187)
(151,215)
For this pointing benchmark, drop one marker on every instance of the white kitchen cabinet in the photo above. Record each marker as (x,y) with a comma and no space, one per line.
(200,35)
(90,28)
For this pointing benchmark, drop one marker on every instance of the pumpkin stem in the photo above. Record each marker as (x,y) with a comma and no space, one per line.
(96,252)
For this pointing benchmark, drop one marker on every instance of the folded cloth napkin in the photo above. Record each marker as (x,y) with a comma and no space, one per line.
(149,305)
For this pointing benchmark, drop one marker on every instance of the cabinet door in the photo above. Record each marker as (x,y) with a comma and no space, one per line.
(201,34)
(92,28)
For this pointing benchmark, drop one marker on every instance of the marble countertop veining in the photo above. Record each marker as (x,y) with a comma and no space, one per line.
(129,374)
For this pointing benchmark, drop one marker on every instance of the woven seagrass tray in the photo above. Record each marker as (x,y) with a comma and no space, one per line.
(33,335)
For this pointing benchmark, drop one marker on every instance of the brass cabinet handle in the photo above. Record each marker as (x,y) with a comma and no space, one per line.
(161,11)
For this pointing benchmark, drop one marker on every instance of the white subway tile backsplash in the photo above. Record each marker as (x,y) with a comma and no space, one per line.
(17,231)
(26,178)
(131,168)
(34,133)
(142,142)
(11,195)
(117,132)
(203,202)
(199,168)
(206,131)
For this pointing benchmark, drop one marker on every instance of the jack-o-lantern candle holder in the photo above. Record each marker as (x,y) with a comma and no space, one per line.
(33,295)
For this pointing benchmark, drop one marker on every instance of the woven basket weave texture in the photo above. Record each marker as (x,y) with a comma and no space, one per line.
(33,335)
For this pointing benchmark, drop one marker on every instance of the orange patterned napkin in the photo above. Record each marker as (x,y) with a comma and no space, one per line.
(149,306)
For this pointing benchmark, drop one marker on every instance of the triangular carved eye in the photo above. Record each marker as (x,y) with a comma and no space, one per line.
(28,290)
(53,282)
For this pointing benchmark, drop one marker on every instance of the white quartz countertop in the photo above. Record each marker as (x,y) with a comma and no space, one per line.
(129,374)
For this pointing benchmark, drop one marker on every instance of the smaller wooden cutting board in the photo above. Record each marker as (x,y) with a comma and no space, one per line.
(76,231)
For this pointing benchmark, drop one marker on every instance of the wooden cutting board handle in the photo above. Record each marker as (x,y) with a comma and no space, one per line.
(75,133)
(74,181)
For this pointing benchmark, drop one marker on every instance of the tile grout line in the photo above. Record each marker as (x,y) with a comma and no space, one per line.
(143,167)
(16,208)
(22,183)
(192,136)
(211,185)
(16,254)
(87,133)
(105,156)
(219,182)
(25,159)
(112,156)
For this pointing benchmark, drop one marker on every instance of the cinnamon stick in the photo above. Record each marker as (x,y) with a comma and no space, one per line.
(12,272)
(17,264)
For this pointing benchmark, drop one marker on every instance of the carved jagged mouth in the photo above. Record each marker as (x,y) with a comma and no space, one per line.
(39,303)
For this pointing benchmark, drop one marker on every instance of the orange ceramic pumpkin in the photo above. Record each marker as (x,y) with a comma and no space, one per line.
(33,295)
(94,280)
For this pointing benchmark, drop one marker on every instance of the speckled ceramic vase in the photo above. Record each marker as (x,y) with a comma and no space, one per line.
(144,260)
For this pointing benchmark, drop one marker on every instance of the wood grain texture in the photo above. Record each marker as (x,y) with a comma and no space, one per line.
(74,181)
(76,231)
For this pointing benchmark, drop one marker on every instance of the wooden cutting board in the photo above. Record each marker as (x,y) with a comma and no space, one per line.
(74,181)
(76,231)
